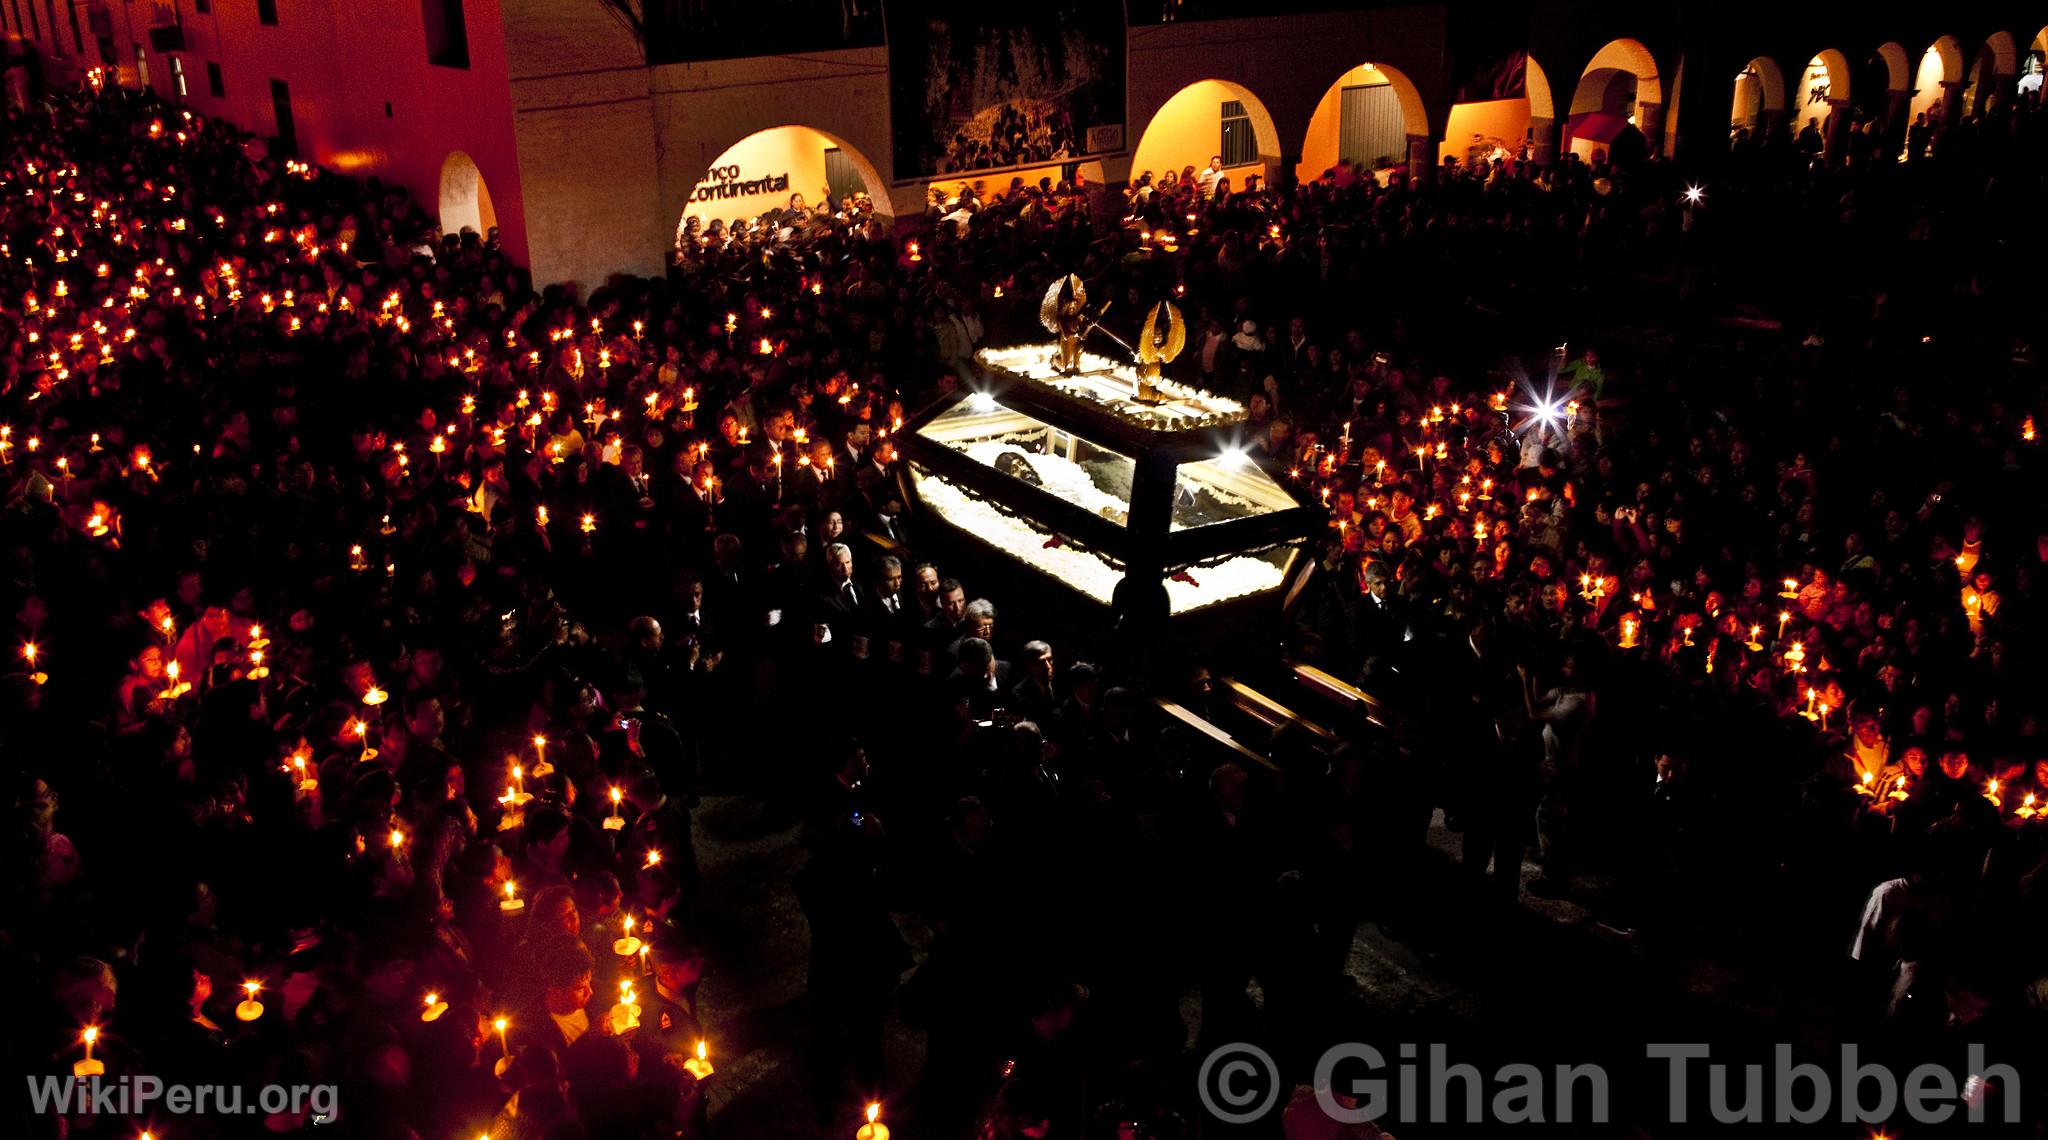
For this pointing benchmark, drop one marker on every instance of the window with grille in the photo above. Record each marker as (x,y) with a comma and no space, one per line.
(1239,146)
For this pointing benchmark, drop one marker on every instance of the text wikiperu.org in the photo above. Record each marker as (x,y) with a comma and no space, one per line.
(707,191)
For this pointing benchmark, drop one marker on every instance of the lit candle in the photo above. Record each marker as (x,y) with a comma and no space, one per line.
(628,945)
(29,651)
(89,1067)
(615,821)
(511,903)
(653,859)
(699,1066)
(540,743)
(874,1129)
(625,1016)
(504,1050)
(435,1008)
(375,696)
(1783,617)
(250,1009)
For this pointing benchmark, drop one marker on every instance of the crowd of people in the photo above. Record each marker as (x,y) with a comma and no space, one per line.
(382,621)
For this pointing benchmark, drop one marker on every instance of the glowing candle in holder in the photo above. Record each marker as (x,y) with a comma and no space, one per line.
(699,1066)
(249,1008)
(874,1129)
(626,946)
(89,1067)
(615,821)
(435,1007)
(511,903)
(504,1050)
(29,653)
(625,1016)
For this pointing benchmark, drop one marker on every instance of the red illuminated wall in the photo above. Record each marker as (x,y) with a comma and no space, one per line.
(344,64)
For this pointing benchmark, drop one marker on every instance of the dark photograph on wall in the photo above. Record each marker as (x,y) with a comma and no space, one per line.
(993,89)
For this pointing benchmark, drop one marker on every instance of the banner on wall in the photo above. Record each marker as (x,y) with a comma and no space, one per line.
(1486,50)
(1002,86)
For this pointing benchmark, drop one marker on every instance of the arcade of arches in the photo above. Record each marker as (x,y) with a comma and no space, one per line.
(762,171)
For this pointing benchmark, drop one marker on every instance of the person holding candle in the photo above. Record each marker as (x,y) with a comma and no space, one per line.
(559,976)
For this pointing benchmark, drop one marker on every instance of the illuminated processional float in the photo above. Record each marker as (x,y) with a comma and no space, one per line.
(1134,491)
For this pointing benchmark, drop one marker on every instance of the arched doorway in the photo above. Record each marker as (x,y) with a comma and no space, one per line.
(1618,93)
(1759,98)
(2032,67)
(1204,120)
(1825,88)
(465,199)
(1371,119)
(763,172)
(1991,74)
(1940,65)
(1522,113)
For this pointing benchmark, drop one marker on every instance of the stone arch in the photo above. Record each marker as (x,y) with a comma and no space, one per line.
(1321,148)
(1541,103)
(1897,66)
(1840,77)
(465,198)
(1620,82)
(1759,96)
(1991,73)
(1938,72)
(760,171)
(1188,129)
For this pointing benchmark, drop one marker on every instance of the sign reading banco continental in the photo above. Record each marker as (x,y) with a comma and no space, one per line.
(725,182)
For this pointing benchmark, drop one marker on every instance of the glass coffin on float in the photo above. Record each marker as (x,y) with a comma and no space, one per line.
(1075,477)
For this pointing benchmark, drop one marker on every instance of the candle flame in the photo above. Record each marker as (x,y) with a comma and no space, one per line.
(252,988)
(92,1034)
(874,1111)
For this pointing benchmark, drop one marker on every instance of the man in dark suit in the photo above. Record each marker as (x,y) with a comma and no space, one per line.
(842,603)
(982,679)
(854,448)
(946,624)
(1033,698)
(894,610)
(1379,623)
